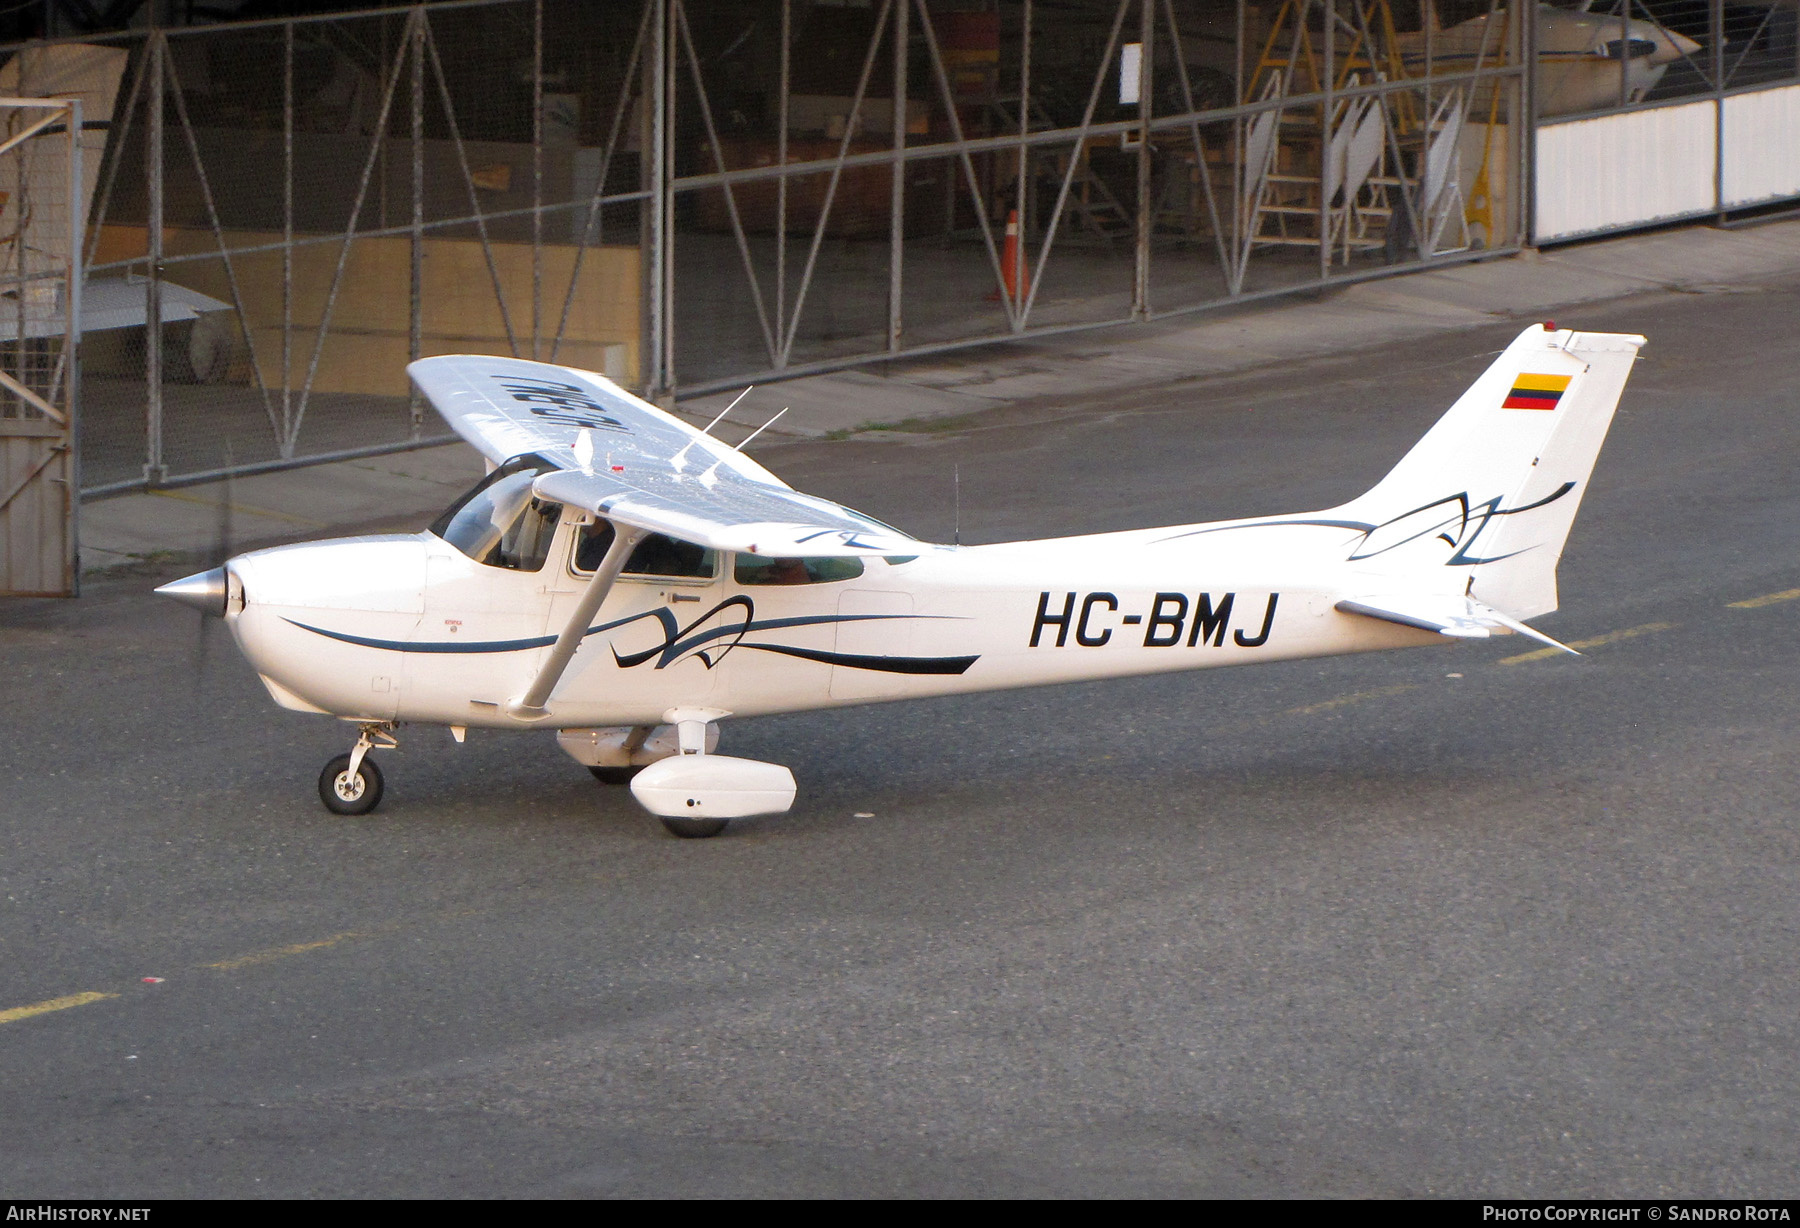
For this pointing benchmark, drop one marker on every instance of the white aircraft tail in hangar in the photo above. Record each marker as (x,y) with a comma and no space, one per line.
(629,581)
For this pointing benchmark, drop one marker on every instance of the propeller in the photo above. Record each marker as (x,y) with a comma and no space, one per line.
(221,551)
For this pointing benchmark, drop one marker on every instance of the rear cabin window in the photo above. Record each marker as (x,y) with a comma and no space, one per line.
(656,555)
(754,569)
(499,523)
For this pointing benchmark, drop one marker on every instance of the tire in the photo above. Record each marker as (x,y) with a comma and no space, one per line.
(344,796)
(694,829)
(614,775)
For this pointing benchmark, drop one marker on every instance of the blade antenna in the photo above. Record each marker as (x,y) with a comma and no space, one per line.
(759,430)
(956,502)
(707,478)
(734,403)
(681,456)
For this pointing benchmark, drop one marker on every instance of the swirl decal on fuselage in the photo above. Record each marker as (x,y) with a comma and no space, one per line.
(710,645)
(1455,520)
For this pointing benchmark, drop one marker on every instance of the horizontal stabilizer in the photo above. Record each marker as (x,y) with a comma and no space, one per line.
(1458,617)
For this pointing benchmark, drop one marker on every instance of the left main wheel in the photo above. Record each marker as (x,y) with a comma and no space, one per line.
(343,793)
(615,775)
(693,829)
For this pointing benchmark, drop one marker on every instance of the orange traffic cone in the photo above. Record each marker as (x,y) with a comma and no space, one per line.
(1012,264)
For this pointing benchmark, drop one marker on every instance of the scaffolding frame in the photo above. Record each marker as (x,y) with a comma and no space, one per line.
(666,110)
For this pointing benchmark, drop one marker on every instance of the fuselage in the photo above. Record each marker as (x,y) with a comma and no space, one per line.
(410,628)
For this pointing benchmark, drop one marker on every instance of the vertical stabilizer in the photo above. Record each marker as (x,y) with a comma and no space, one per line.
(1483,503)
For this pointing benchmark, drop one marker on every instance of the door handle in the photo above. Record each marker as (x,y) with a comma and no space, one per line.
(675,597)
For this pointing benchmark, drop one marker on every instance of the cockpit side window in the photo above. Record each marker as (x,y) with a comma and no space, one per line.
(756,569)
(499,523)
(656,555)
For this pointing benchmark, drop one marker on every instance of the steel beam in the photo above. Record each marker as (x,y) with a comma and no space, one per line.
(415,316)
(658,256)
(896,174)
(284,445)
(1014,316)
(537,177)
(718,152)
(287,232)
(1146,217)
(462,160)
(1081,134)
(362,193)
(154,468)
(71,355)
(592,228)
(837,170)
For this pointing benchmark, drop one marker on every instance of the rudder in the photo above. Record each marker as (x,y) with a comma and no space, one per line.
(1492,489)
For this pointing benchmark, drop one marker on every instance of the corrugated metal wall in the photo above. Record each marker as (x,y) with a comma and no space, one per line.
(1616,171)
(1762,146)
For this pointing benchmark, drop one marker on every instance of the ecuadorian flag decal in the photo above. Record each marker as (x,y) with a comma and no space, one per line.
(1536,391)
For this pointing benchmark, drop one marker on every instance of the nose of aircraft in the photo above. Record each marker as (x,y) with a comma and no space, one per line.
(206,591)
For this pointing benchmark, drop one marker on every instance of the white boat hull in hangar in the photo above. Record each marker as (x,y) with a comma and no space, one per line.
(629,582)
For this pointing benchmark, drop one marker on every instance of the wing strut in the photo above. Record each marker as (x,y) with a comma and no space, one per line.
(530,705)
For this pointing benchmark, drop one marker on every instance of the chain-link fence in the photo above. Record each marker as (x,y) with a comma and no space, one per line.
(901,176)
(312,204)
(695,194)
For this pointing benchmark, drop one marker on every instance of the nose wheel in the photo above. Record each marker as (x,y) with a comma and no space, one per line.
(352,784)
(346,792)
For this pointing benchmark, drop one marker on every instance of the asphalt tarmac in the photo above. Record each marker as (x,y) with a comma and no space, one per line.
(1443,922)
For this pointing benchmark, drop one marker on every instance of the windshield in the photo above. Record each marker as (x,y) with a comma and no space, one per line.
(499,523)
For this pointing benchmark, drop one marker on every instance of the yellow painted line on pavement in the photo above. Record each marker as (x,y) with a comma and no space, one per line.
(1611,637)
(1766,599)
(244,508)
(298,948)
(54,1004)
(1342,700)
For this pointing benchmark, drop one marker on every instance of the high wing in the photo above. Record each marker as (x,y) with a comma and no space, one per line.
(627,460)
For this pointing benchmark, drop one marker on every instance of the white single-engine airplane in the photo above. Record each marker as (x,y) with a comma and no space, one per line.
(630,581)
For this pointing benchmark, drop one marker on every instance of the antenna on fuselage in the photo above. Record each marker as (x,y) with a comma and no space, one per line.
(956,503)
(680,458)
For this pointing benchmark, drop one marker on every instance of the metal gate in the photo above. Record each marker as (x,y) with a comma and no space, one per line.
(41,201)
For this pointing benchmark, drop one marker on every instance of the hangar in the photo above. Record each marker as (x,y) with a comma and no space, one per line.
(227,230)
